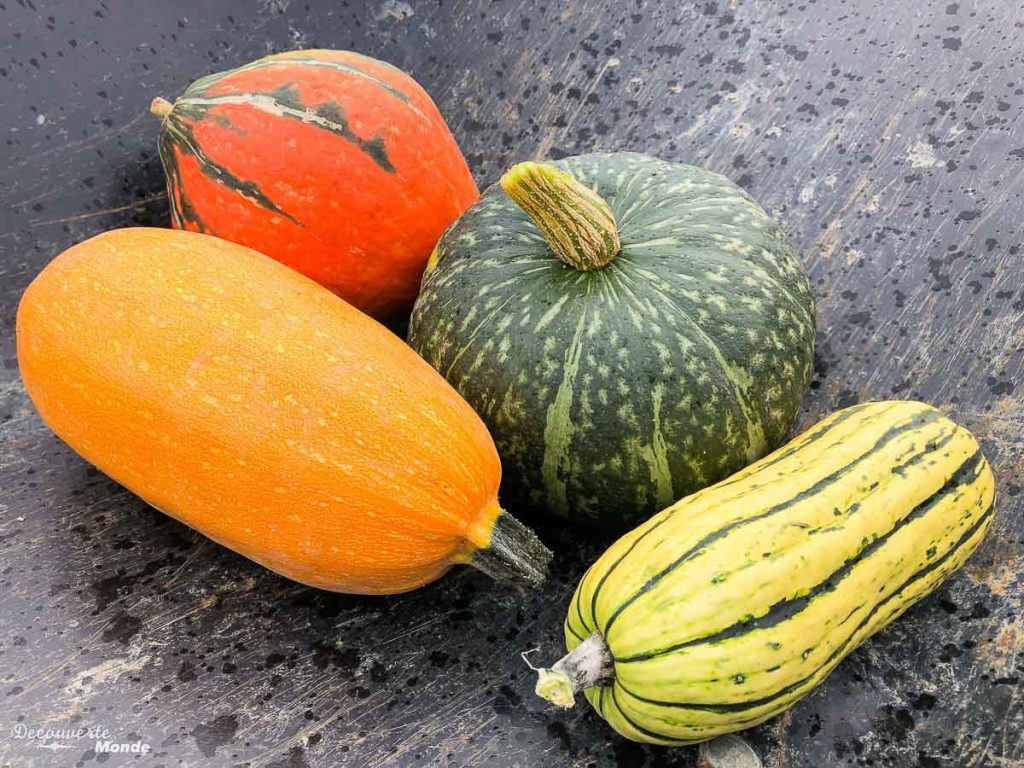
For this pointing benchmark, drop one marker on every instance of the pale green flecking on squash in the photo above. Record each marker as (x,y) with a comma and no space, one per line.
(615,385)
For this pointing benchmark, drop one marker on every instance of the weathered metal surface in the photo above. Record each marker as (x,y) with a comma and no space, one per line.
(888,138)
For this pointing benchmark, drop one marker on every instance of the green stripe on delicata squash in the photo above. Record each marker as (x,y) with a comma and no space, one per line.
(729,606)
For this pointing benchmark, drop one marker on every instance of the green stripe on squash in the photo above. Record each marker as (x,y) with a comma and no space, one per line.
(732,604)
(630,330)
(177,133)
(195,104)
(203,84)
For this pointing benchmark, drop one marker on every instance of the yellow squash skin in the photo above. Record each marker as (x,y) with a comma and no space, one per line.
(729,606)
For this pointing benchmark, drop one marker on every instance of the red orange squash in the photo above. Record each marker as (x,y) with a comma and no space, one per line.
(333,163)
(244,400)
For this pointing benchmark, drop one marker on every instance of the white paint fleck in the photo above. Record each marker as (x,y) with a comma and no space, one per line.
(394,9)
(922,155)
(274,6)
(101,678)
(740,130)
(298,37)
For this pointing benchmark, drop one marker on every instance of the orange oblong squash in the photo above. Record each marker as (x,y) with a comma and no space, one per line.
(250,403)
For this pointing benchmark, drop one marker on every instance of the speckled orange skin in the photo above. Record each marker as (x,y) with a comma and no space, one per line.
(343,217)
(253,405)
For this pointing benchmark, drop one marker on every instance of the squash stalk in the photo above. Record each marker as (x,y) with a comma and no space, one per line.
(160,107)
(588,664)
(513,554)
(575,221)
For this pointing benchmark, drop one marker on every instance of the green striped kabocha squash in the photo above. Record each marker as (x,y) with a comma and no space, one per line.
(630,330)
(729,606)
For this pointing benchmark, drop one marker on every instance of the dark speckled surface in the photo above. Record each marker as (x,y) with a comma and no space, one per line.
(887,137)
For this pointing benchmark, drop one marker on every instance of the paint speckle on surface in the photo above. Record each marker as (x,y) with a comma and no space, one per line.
(919,298)
(922,155)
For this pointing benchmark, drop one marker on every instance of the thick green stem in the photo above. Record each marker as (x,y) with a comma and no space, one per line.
(588,664)
(577,224)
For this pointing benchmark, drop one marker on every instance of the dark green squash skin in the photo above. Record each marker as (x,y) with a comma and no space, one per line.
(612,393)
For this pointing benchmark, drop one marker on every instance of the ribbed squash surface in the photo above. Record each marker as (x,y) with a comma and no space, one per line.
(726,608)
(336,164)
